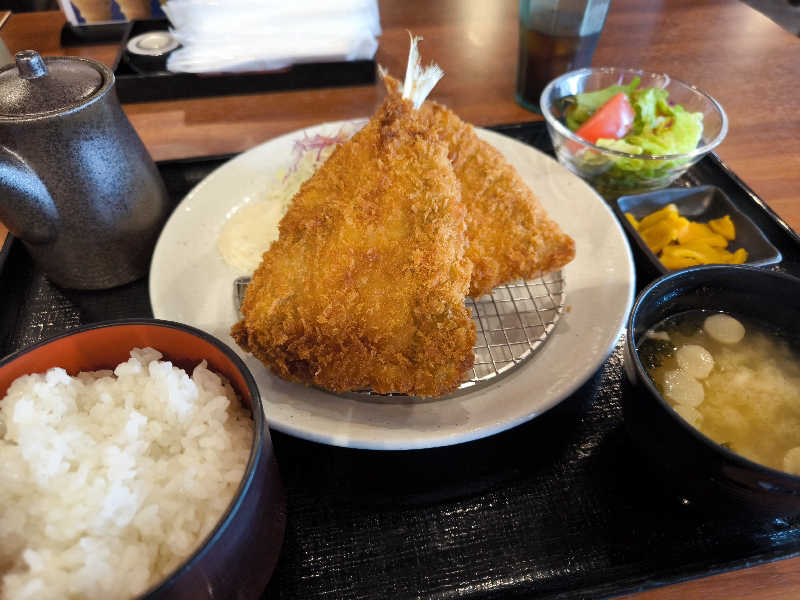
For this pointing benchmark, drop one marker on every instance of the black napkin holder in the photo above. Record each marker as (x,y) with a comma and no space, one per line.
(92,34)
(135,84)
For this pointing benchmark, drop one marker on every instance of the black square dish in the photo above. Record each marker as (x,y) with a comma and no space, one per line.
(702,204)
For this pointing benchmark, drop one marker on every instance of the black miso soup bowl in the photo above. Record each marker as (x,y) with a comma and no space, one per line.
(693,464)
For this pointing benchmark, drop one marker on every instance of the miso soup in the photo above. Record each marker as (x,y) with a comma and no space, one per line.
(735,380)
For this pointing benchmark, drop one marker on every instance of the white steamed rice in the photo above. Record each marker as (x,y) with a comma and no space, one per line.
(109,480)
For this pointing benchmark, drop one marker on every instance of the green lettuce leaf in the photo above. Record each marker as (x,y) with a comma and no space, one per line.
(659,128)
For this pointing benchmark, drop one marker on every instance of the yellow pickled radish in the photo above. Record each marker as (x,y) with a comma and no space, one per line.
(724,227)
(632,220)
(678,256)
(695,230)
(700,232)
(696,250)
(724,256)
(713,254)
(678,262)
(680,243)
(663,213)
(663,232)
(715,240)
(681,224)
(739,257)
(659,235)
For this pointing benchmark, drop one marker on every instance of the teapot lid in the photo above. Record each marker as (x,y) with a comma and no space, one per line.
(37,86)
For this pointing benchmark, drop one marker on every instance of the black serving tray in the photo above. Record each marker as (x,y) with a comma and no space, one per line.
(135,84)
(560,507)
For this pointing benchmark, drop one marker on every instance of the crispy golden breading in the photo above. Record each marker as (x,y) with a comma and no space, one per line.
(510,235)
(365,286)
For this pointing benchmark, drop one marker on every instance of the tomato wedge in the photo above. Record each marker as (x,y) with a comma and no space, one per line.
(613,120)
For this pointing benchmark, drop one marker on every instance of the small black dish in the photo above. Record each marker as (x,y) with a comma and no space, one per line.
(92,34)
(701,203)
(148,52)
(693,464)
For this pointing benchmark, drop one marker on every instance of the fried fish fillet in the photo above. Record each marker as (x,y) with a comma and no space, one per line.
(365,286)
(510,234)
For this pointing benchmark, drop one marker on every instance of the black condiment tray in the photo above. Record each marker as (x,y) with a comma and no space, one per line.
(92,34)
(560,507)
(139,84)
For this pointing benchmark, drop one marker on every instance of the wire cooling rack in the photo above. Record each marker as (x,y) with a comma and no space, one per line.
(512,323)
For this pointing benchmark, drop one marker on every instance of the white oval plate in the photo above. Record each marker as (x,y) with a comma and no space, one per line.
(190,283)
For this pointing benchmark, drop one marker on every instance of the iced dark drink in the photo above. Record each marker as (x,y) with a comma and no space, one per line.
(555,36)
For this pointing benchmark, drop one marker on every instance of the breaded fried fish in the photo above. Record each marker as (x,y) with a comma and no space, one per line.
(510,234)
(365,286)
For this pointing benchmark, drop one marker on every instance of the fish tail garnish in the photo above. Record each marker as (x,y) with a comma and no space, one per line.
(419,80)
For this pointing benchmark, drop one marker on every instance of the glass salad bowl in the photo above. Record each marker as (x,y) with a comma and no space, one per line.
(628,168)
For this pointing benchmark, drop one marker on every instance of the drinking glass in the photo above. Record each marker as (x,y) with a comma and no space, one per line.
(555,36)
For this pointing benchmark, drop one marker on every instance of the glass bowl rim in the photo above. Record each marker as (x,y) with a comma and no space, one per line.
(566,132)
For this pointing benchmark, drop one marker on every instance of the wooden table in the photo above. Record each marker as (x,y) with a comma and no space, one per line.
(743,59)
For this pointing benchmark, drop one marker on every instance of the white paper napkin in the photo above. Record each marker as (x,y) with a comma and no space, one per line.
(263,35)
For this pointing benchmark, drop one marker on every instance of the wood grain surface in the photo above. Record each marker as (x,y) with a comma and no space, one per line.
(747,62)
(739,56)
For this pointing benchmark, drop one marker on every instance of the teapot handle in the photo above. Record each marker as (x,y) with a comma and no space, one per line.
(26,207)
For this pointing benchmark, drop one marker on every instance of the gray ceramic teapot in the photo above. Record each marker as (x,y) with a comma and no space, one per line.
(77,185)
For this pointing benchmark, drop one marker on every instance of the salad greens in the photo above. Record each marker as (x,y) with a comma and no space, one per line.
(659,128)
(586,104)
